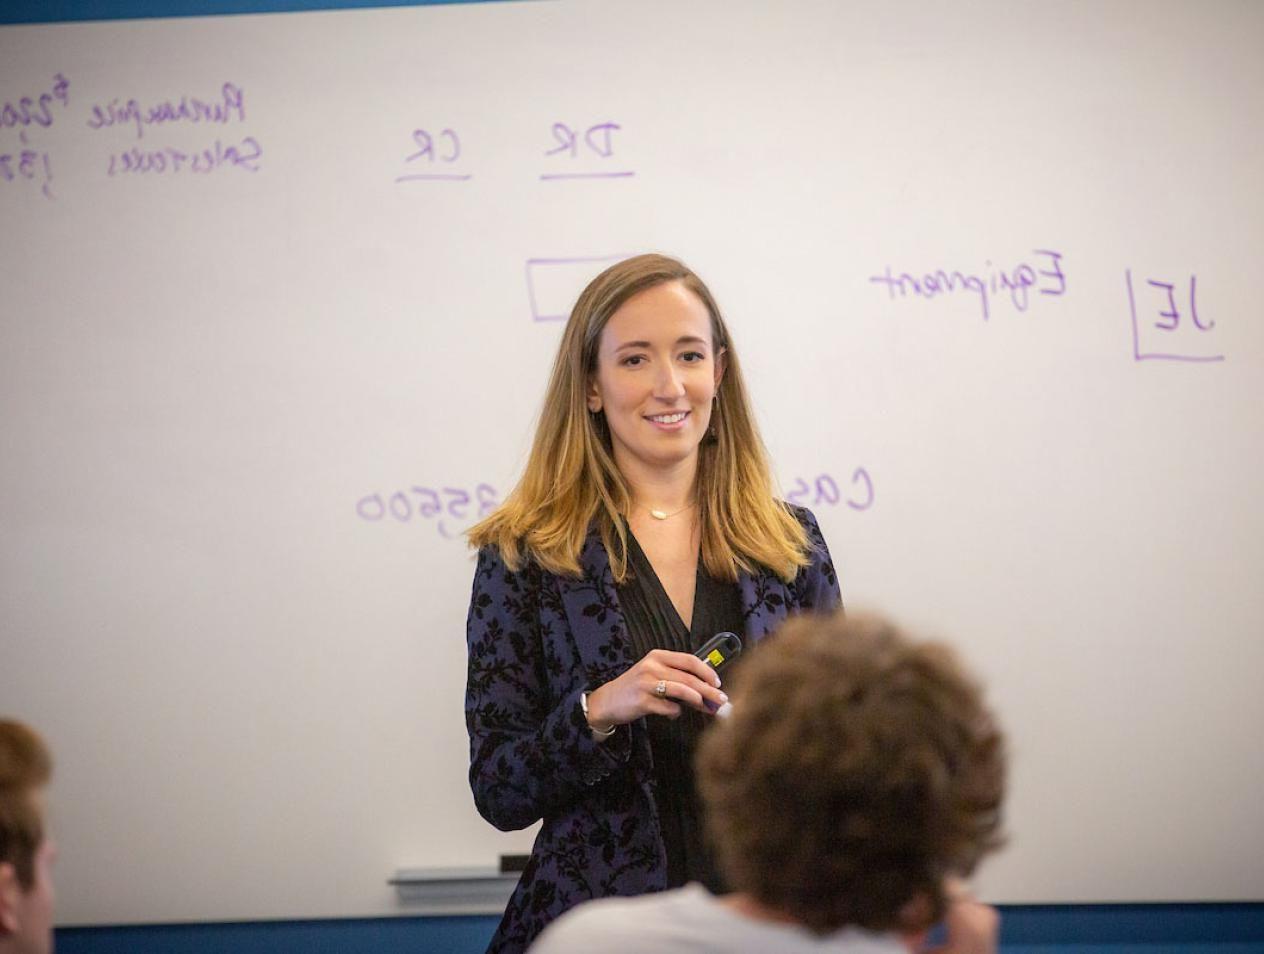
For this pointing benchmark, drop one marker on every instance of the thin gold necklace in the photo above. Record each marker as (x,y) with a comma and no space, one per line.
(660,515)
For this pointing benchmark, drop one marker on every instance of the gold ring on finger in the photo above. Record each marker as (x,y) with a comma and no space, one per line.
(661,689)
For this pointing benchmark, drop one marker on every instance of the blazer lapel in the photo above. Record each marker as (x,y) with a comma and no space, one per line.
(595,617)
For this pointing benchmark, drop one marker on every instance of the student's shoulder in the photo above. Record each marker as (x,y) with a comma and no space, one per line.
(622,925)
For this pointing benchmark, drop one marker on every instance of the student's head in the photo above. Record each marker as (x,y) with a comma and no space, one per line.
(597,423)
(26,850)
(857,772)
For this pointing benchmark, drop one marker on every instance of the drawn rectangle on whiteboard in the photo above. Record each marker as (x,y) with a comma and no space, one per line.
(1188,342)
(553,284)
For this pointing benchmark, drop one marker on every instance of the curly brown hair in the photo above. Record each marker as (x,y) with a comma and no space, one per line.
(857,771)
(25,767)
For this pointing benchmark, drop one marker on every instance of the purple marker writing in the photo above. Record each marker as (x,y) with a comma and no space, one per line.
(228,107)
(825,490)
(1018,281)
(36,110)
(244,155)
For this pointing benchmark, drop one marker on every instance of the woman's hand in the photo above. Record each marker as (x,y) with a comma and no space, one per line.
(687,680)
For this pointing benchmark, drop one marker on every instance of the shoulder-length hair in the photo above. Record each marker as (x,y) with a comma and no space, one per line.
(571,480)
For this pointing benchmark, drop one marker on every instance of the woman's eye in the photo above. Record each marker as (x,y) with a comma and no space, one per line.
(632,361)
(693,356)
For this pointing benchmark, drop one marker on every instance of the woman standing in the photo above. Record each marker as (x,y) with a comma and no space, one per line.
(644,524)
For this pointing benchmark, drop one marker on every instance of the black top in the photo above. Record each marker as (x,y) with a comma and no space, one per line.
(653,623)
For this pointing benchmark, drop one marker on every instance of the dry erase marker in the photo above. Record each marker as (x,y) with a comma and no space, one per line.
(719,649)
(717,652)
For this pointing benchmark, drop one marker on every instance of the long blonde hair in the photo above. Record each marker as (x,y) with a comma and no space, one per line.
(571,479)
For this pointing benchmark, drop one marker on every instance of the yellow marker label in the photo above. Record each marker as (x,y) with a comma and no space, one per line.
(715,657)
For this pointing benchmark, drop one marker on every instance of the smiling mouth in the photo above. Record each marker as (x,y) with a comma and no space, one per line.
(675,418)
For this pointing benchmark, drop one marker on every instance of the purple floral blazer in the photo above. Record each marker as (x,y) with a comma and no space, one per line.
(536,641)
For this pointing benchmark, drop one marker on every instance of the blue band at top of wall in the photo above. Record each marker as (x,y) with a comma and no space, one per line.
(58,11)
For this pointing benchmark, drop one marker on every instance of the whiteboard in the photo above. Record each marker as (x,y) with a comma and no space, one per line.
(275,334)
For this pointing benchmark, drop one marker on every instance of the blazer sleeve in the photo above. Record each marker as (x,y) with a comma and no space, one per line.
(816,586)
(531,750)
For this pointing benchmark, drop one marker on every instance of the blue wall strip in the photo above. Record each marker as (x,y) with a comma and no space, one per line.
(1158,924)
(56,11)
(457,935)
(1025,929)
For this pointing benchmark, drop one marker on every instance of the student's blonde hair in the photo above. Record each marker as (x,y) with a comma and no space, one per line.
(571,479)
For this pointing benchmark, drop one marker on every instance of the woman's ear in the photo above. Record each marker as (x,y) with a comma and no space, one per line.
(720,364)
(594,396)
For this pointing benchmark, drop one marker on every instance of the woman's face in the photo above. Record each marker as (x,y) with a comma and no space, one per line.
(657,372)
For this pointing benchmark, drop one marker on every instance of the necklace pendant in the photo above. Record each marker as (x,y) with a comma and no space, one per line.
(658,515)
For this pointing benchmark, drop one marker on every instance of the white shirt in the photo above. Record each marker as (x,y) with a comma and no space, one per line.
(691,920)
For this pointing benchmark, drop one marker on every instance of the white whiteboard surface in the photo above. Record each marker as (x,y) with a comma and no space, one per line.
(254,687)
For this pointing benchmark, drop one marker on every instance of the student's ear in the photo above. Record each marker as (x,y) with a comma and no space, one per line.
(594,396)
(916,918)
(9,894)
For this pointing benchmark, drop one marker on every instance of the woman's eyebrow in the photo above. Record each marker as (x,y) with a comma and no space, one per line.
(684,339)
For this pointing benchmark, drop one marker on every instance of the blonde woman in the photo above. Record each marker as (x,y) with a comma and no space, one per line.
(645,523)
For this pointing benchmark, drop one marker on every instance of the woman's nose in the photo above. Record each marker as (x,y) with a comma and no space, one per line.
(668,383)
